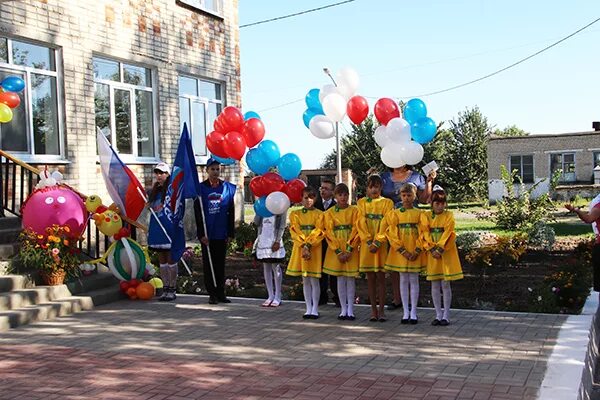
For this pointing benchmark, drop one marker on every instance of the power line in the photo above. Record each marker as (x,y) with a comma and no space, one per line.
(296,14)
(281,105)
(507,67)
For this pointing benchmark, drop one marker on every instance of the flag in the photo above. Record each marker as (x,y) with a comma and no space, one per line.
(121,183)
(184,184)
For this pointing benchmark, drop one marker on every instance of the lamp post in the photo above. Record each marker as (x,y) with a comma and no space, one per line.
(337,136)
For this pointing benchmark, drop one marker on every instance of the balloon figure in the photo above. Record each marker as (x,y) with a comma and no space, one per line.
(9,99)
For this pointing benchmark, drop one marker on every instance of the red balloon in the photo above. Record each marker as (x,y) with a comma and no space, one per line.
(253,131)
(386,109)
(234,145)
(215,142)
(357,109)
(272,182)
(293,189)
(11,99)
(218,125)
(257,187)
(232,119)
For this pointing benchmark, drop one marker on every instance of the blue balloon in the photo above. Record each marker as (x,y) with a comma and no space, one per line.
(270,152)
(223,161)
(307,116)
(251,114)
(260,207)
(289,166)
(13,84)
(423,131)
(313,102)
(256,161)
(414,110)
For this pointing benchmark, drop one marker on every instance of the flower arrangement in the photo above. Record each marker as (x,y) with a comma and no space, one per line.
(51,253)
(232,286)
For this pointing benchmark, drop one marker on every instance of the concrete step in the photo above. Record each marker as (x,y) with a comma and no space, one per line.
(9,235)
(15,282)
(44,311)
(8,250)
(19,298)
(10,222)
(106,295)
(100,280)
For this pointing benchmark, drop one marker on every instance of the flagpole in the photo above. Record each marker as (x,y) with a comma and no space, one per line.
(210,261)
(162,227)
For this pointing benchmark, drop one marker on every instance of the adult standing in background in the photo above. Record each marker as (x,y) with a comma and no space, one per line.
(219,215)
(324,202)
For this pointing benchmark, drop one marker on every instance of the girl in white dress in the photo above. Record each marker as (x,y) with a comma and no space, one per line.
(269,250)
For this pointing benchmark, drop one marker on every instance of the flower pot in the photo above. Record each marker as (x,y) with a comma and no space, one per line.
(53,278)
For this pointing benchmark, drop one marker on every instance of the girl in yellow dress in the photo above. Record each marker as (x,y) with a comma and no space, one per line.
(341,259)
(373,244)
(443,264)
(405,256)
(306,229)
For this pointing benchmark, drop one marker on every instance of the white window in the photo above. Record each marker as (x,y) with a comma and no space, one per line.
(524,167)
(125,107)
(200,102)
(564,162)
(36,127)
(210,6)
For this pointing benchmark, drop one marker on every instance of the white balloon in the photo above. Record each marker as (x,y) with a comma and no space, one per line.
(50,182)
(325,90)
(398,130)
(277,202)
(334,106)
(57,176)
(348,77)
(322,127)
(413,153)
(346,91)
(381,136)
(391,155)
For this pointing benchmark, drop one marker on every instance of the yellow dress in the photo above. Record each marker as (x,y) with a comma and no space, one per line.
(437,231)
(306,228)
(371,214)
(342,235)
(402,230)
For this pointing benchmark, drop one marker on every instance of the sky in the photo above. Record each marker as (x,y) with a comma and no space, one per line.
(402,49)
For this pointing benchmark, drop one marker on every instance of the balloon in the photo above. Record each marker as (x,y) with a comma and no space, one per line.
(413,153)
(391,155)
(251,114)
(334,106)
(270,152)
(13,84)
(381,137)
(157,283)
(327,89)
(257,187)
(92,203)
(345,91)
(215,142)
(232,118)
(414,110)
(256,161)
(219,126)
(272,182)
(277,203)
(293,189)
(313,102)
(253,131)
(10,99)
(308,115)
(398,130)
(348,77)
(127,261)
(234,145)
(357,109)
(386,109)
(108,222)
(260,207)
(223,161)
(6,114)
(322,127)
(423,130)
(144,291)
(289,166)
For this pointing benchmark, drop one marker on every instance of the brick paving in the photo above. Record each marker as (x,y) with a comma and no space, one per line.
(192,350)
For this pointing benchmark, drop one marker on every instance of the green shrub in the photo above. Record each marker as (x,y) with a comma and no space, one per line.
(245,235)
(467,241)
(296,291)
(541,236)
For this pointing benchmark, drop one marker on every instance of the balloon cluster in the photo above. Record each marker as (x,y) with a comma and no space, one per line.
(400,139)
(49,179)
(9,98)
(138,289)
(233,133)
(331,103)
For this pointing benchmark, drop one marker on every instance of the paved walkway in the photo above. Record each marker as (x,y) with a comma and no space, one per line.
(192,350)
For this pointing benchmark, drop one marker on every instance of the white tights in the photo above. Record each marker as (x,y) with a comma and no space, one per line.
(312,292)
(346,292)
(272,273)
(436,294)
(409,279)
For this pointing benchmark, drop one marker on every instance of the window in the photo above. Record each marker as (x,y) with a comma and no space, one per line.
(210,6)
(524,167)
(36,127)
(125,106)
(200,102)
(564,162)
(596,158)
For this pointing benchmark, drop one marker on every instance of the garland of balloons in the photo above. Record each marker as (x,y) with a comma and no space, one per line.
(9,99)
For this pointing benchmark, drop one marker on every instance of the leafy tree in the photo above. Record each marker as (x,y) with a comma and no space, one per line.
(511,130)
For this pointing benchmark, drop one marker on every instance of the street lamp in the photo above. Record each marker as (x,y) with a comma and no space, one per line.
(337,136)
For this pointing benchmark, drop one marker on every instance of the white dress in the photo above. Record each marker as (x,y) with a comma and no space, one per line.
(265,240)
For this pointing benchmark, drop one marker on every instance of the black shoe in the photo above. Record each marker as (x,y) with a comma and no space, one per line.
(373,319)
(393,306)
(314,316)
(444,322)
(306,316)
(404,321)
(435,322)
(224,300)
(350,317)
(382,319)
(413,321)
(342,317)
(212,300)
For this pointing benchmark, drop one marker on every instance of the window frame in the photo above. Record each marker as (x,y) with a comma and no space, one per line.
(562,165)
(594,152)
(510,167)
(193,4)
(134,157)
(29,155)
(200,159)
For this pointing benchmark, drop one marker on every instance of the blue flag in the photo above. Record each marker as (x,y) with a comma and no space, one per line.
(184,184)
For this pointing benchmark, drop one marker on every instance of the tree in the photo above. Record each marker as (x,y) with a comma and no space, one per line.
(511,130)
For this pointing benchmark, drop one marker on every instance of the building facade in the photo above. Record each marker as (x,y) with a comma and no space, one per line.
(537,157)
(135,70)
